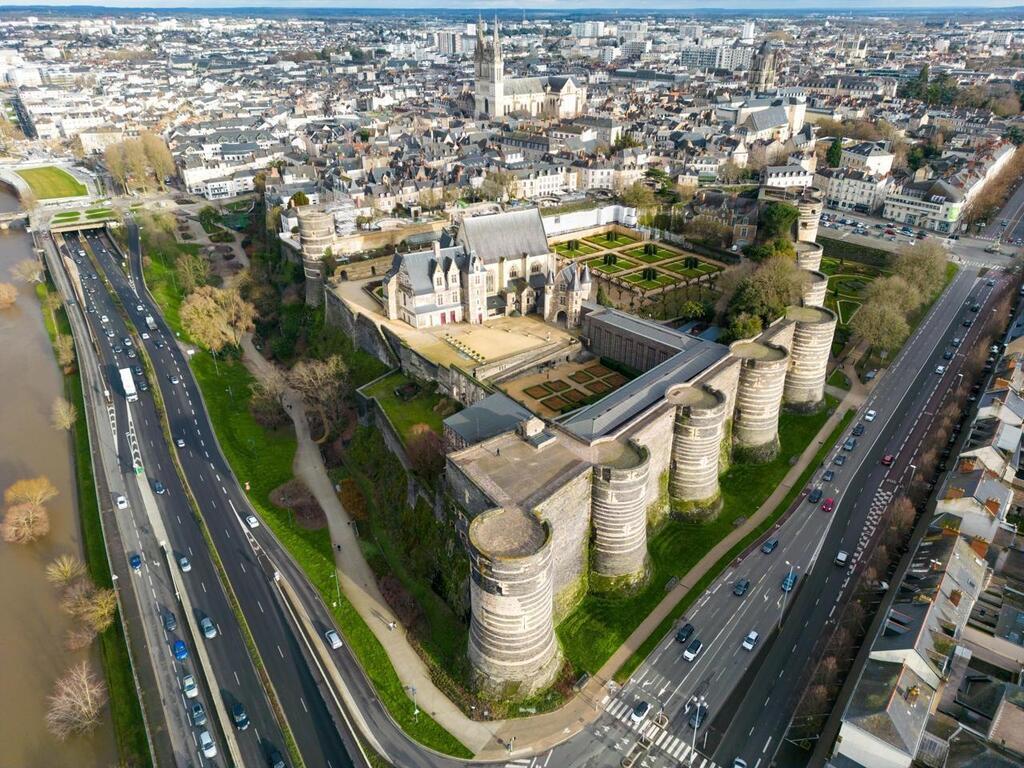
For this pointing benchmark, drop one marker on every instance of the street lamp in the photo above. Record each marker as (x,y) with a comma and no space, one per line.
(415,707)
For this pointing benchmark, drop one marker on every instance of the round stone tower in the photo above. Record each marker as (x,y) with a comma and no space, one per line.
(808,255)
(512,643)
(809,206)
(817,288)
(808,355)
(763,369)
(618,513)
(696,449)
(316,235)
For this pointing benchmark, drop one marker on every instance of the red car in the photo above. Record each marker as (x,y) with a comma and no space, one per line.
(888,459)
(828,505)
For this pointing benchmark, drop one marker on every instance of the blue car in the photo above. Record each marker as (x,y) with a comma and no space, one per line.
(135,561)
(180,650)
(789,582)
(769,546)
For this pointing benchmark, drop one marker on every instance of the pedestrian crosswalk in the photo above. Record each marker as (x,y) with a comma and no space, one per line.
(677,749)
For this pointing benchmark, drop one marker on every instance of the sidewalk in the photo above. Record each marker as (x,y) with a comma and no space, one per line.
(539,732)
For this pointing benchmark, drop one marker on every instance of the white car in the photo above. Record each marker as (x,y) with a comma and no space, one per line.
(252,521)
(206,744)
(104,319)
(120,501)
(189,687)
(750,641)
(184,564)
(145,335)
(180,442)
(940,369)
(139,308)
(332,638)
(870,415)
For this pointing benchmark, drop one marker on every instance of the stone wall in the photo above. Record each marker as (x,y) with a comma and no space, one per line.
(567,510)
(639,353)
(700,416)
(655,435)
(364,333)
(363,269)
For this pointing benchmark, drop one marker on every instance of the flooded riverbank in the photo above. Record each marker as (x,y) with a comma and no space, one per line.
(32,651)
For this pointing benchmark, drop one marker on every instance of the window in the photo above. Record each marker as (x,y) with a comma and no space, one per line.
(534,268)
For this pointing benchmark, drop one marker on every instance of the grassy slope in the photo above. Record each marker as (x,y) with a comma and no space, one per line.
(125,708)
(599,625)
(405,414)
(50,182)
(264,459)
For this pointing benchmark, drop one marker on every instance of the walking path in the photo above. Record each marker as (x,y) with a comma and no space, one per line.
(489,740)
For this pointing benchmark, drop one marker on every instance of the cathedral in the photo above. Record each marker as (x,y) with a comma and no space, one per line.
(496,95)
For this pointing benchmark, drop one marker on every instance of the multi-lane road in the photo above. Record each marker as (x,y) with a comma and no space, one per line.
(749,694)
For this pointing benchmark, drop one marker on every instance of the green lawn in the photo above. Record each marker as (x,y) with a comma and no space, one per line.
(422,408)
(648,645)
(597,264)
(660,254)
(599,625)
(49,182)
(581,249)
(99,213)
(689,273)
(125,707)
(619,238)
(264,459)
(67,216)
(638,279)
(839,379)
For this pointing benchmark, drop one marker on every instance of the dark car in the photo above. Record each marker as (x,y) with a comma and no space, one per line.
(789,582)
(170,623)
(238,715)
(828,476)
(967,323)
(135,561)
(769,546)
(700,714)
(684,633)
(815,496)
(858,430)
(159,487)
(850,444)
(274,759)
(975,307)
(839,460)
(947,355)
(740,587)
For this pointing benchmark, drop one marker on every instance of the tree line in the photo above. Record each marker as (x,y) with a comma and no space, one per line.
(140,161)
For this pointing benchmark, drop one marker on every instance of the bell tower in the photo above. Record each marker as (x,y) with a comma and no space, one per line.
(489,73)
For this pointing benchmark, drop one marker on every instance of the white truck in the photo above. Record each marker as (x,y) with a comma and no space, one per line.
(150,323)
(128,384)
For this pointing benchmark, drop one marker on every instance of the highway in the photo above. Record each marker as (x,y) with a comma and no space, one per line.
(237,679)
(224,507)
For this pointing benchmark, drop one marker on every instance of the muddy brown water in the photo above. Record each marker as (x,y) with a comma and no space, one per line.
(32,625)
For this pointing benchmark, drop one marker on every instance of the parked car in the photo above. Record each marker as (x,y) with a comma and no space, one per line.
(850,444)
(858,430)
(839,460)
(189,687)
(206,744)
(815,496)
(769,546)
(940,369)
(828,476)
(750,641)
(198,714)
(869,415)
(947,355)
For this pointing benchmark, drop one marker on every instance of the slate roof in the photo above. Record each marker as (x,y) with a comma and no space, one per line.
(486,418)
(508,235)
(421,265)
(764,119)
(883,706)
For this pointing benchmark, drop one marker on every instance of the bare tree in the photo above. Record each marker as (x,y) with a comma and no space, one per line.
(64,570)
(113,157)
(77,700)
(902,513)
(8,295)
(30,490)
(135,161)
(29,271)
(98,608)
(426,450)
(267,401)
(25,523)
(158,156)
(193,271)
(217,317)
(79,637)
(64,346)
(64,414)
(323,385)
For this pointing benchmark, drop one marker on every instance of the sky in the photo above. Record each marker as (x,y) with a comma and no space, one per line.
(546,5)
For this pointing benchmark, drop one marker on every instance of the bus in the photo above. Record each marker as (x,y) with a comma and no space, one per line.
(128,384)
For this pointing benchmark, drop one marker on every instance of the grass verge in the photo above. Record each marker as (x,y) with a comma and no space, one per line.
(264,460)
(51,182)
(629,667)
(125,707)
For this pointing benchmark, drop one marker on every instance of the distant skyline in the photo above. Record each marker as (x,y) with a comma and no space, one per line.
(537,5)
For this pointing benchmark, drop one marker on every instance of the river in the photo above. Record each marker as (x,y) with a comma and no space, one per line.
(33,629)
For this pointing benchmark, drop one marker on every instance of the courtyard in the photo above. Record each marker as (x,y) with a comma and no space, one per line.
(564,387)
